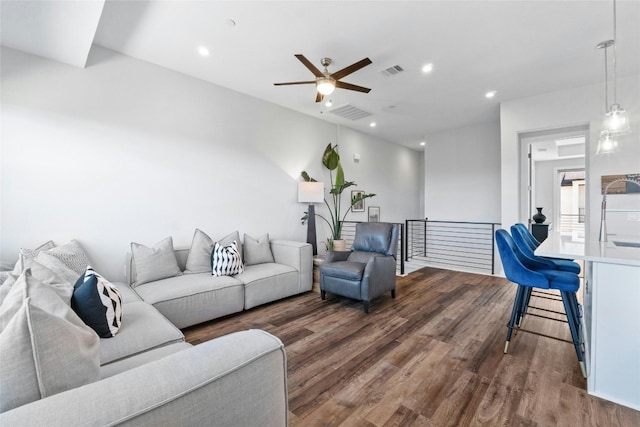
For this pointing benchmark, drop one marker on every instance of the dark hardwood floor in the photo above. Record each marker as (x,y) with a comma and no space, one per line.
(433,356)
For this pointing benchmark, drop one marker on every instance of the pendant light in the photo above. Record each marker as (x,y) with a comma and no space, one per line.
(607,142)
(616,120)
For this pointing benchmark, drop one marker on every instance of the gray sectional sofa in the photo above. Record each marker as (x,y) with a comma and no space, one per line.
(192,298)
(149,375)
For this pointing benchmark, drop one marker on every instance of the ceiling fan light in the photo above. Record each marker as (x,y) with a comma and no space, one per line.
(325,86)
(607,144)
(616,121)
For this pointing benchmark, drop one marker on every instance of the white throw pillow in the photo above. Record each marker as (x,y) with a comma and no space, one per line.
(150,264)
(226,260)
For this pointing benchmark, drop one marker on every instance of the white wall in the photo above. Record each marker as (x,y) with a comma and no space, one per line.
(545,185)
(571,107)
(124,151)
(462,174)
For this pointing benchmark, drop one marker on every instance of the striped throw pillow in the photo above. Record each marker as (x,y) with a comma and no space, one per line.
(226,260)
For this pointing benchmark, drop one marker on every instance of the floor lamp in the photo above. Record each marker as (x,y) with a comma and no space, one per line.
(311,192)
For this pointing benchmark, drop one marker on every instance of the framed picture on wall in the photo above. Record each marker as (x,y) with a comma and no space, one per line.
(358,207)
(374,213)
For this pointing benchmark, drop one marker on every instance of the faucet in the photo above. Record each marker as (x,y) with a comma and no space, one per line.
(603,212)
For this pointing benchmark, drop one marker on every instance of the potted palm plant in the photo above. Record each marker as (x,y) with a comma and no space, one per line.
(331,161)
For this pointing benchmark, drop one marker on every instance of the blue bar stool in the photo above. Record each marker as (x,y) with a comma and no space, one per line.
(528,244)
(519,270)
(523,240)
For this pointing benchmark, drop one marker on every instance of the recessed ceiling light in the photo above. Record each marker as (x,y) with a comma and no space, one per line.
(423,143)
(329,103)
(203,51)
(427,68)
(372,124)
(490,94)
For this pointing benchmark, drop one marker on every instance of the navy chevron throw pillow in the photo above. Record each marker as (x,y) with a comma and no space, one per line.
(98,303)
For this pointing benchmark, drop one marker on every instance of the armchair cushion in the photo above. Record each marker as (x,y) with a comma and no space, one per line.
(344,270)
(372,237)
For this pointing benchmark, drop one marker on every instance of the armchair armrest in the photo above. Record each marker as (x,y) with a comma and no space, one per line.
(333,256)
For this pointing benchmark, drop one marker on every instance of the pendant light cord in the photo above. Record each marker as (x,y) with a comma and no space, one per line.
(615,42)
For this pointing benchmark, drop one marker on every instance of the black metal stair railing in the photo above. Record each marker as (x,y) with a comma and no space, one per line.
(455,245)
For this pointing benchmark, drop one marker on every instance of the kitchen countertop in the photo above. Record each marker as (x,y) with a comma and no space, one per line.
(576,246)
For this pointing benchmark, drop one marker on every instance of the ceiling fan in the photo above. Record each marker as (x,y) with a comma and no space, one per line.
(327,82)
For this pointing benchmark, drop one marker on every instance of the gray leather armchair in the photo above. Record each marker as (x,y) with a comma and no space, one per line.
(368,270)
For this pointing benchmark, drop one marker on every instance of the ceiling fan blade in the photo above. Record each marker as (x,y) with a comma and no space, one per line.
(294,83)
(319,97)
(349,86)
(309,65)
(350,69)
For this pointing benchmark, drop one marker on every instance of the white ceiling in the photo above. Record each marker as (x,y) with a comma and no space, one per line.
(518,48)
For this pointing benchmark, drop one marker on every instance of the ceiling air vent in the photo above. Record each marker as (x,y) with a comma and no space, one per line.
(392,71)
(350,112)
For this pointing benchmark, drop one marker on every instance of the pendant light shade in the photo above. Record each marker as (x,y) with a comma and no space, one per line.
(616,121)
(607,143)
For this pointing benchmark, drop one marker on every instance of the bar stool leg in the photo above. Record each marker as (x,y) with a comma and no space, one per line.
(515,313)
(568,299)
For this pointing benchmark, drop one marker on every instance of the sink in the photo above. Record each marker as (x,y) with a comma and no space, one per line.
(628,244)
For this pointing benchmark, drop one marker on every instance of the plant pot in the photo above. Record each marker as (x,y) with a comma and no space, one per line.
(340,245)
(539,218)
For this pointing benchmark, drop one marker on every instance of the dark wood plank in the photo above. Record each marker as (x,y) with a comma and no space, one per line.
(433,356)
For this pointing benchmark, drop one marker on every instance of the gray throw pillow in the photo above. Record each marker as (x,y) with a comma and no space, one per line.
(72,255)
(30,253)
(151,264)
(57,266)
(257,251)
(45,348)
(199,258)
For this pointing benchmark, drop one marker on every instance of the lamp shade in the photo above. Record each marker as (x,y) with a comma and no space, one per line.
(310,192)
(326,85)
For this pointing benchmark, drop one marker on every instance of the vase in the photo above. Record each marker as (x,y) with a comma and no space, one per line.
(339,245)
(539,218)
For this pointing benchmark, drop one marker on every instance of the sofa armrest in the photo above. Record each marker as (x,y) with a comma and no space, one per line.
(297,255)
(237,379)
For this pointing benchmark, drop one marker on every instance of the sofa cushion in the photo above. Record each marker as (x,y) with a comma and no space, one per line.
(226,260)
(149,264)
(114,368)
(45,348)
(127,293)
(194,298)
(30,253)
(199,258)
(268,282)
(143,328)
(257,251)
(98,303)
